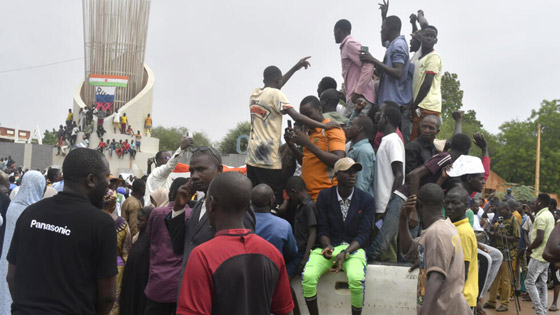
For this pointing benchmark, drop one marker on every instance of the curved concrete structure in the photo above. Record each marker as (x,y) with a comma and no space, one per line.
(136,110)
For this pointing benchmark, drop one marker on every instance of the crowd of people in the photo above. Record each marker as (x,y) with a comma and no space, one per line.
(67,134)
(361,178)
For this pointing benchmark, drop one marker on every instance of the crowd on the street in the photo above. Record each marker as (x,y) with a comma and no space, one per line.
(360,178)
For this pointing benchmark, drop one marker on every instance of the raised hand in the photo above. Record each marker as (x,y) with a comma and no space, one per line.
(457,115)
(303,63)
(186,143)
(479,141)
(384,7)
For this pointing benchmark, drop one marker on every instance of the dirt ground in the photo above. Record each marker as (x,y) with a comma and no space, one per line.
(526,307)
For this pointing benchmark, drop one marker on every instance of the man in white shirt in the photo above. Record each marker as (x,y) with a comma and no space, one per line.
(116,121)
(389,173)
(165,165)
(389,169)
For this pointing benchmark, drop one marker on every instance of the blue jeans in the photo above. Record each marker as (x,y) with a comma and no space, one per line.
(536,285)
(389,229)
(406,125)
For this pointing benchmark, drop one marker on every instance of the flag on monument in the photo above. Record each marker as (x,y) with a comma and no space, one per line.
(108,80)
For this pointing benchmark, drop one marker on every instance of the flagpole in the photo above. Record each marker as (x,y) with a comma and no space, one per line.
(538,163)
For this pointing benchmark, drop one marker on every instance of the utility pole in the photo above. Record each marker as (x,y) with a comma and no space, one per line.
(538,163)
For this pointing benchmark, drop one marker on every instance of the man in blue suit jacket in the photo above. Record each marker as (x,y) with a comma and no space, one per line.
(345,216)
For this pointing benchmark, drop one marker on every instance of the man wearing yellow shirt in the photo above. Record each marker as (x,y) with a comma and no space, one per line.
(426,81)
(537,275)
(124,122)
(456,204)
(148,126)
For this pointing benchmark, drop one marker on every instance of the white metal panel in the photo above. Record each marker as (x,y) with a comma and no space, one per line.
(389,289)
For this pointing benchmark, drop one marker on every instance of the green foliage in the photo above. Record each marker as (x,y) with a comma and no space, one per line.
(228,145)
(452,100)
(519,192)
(201,139)
(451,94)
(50,137)
(517,141)
(170,138)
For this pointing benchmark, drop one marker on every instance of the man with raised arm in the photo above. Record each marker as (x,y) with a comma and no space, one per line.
(267,106)
(165,164)
(426,82)
(395,71)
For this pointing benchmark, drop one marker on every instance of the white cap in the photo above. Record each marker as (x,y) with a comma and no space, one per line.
(466,164)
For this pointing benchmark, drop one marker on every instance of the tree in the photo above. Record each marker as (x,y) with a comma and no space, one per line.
(201,139)
(516,154)
(170,138)
(50,137)
(228,145)
(452,100)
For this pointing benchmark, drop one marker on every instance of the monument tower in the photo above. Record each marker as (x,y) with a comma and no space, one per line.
(116,77)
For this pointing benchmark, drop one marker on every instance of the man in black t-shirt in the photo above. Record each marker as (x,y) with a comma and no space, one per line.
(305,223)
(62,259)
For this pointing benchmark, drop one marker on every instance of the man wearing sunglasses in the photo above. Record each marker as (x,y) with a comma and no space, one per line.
(165,164)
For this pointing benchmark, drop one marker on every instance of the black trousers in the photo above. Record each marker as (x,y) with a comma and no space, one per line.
(155,308)
(271,177)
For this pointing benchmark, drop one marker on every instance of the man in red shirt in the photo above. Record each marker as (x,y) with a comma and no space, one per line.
(237,272)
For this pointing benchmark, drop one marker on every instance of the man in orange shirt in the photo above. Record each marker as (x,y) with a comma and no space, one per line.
(321,149)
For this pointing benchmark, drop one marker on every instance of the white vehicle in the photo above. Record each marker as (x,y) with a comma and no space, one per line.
(390,289)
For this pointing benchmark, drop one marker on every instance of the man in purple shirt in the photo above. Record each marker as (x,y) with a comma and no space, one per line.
(357,76)
(165,266)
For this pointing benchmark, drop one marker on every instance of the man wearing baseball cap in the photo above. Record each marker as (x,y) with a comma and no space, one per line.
(344,222)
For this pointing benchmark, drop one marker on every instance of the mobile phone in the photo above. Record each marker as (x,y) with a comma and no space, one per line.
(289,124)
(364,49)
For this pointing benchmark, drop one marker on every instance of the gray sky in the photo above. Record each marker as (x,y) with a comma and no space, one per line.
(207,56)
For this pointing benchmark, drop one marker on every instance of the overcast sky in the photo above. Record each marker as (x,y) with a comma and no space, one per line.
(207,56)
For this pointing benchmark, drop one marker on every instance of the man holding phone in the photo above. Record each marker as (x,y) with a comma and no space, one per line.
(357,75)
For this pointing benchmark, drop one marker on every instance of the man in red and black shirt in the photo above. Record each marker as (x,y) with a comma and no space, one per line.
(237,272)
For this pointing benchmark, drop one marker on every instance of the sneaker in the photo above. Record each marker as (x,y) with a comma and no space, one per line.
(502,309)
(553,308)
(489,306)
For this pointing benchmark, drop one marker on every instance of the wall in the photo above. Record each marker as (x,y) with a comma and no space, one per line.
(30,156)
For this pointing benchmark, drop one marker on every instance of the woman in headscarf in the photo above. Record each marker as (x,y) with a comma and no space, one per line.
(160,197)
(32,189)
(135,276)
(124,242)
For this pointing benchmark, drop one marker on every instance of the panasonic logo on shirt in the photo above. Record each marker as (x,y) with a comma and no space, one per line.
(50,227)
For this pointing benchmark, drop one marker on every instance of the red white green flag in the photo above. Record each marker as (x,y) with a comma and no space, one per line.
(108,80)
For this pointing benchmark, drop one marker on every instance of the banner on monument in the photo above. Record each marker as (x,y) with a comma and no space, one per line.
(104,97)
